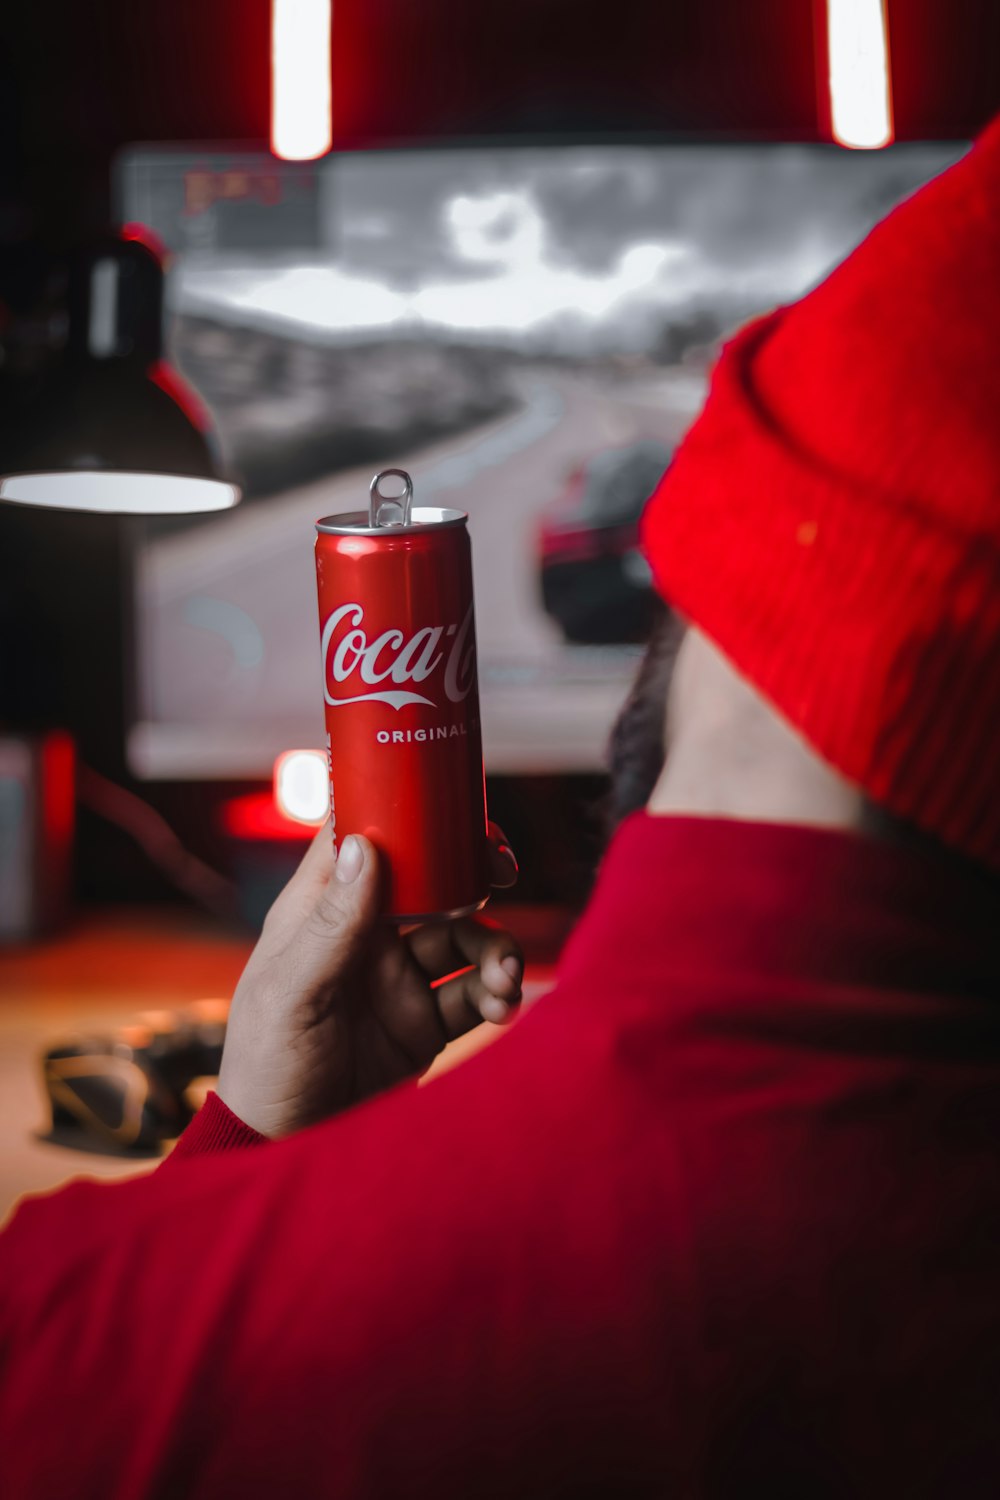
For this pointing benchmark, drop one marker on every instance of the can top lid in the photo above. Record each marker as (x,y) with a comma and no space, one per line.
(390,513)
(422,517)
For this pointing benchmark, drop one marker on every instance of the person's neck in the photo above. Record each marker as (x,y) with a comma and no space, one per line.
(699,783)
(731,756)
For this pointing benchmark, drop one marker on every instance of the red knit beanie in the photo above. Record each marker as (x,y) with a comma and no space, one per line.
(832,520)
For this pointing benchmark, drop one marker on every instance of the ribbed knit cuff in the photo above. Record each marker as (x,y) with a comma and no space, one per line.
(215,1128)
(868,618)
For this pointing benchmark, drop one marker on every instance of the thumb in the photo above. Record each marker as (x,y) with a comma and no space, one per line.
(345,912)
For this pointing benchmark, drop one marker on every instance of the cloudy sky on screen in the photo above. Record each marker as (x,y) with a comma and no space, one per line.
(569,246)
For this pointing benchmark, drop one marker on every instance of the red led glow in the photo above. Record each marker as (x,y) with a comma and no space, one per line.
(141,234)
(181,394)
(58,789)
(255,819)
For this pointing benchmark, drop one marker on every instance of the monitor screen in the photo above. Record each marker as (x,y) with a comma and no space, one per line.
(527,330)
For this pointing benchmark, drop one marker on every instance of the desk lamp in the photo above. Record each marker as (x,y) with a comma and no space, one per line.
(114,427)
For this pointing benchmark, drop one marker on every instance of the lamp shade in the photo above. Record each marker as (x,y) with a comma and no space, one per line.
(115,428)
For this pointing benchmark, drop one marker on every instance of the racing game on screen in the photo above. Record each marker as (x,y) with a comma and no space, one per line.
(526,330)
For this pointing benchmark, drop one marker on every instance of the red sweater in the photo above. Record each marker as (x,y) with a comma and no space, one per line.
(718,1217)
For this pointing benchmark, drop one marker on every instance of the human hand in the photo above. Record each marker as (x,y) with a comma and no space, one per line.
(334,1006)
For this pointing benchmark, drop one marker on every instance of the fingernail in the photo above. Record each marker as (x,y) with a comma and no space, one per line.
(508,851)
(349,860)
(513,967)
(492,1009)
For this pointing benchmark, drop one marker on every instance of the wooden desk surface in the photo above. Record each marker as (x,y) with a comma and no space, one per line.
(112,968)
(101,973)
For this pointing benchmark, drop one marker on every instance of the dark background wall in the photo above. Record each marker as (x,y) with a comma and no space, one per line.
(78,80)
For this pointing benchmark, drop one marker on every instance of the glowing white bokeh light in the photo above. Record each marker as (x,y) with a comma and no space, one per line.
(301,786)
(860,86)
(301,86)
(116,492)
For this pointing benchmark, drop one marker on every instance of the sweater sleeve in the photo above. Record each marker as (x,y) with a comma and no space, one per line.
(215,1128)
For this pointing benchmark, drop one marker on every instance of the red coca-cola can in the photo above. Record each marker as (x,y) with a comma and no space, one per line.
(398,643)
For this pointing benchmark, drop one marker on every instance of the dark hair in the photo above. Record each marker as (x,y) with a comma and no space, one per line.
(636,748)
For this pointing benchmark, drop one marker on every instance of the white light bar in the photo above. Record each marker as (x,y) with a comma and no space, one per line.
(301,88)
(860,85)
(119,493)
(302,786)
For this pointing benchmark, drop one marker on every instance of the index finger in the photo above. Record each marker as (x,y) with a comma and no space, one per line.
(440,948)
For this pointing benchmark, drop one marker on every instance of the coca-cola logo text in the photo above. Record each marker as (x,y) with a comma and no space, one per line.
(349,657)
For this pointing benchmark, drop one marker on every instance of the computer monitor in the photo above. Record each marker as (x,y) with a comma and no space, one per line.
(526,329)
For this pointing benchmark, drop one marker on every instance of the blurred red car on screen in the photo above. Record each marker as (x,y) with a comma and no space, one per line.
(595,582)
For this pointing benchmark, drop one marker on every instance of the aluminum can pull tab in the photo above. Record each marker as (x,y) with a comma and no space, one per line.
(390,510)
